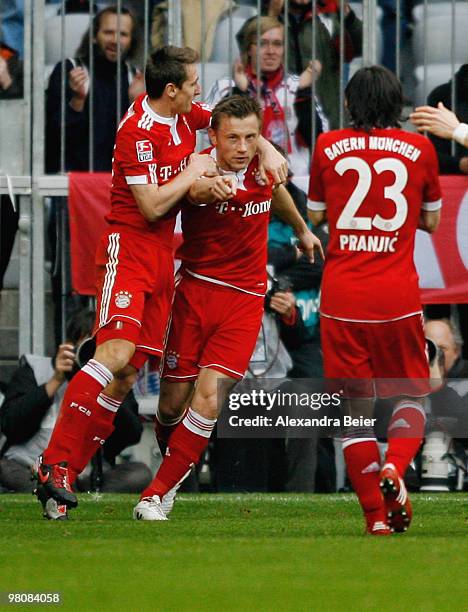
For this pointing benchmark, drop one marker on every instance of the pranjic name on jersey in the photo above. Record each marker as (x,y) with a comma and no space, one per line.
(370,244)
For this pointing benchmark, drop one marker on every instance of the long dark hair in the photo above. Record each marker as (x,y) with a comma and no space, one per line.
(83,49)
(374,98)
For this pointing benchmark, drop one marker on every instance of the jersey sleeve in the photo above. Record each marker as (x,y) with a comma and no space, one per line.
(135,156)
(316,195)
(200,116)
(432,196)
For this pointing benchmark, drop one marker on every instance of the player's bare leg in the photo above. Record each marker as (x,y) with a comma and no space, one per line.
(363,465)
(405,433)
(174,400)
(187,442)
(85,413)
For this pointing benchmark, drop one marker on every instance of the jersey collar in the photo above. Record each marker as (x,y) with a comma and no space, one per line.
(240,175)
(170,121)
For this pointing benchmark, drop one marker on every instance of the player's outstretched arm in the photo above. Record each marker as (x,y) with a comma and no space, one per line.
(429,220)
(271,162)
(441,122)
(283,206)
(208,190)
(154,201)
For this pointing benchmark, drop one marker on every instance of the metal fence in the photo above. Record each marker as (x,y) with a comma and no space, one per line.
(438,47)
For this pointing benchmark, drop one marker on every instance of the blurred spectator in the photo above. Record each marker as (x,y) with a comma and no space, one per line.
(389,29)
(306,457)
(32,405)
(444,311)
(12,24)
(77,109)
(447,337)
(276,91)
(451,164)
(258,464)
(192,14)
(11,86)
(299,20)
(457,163)
(104,90)
(449,404)
(11,73)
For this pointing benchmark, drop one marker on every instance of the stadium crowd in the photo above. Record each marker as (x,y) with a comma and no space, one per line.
(294,91)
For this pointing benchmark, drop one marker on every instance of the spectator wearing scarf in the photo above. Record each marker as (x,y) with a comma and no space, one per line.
(299,20)
(274,88)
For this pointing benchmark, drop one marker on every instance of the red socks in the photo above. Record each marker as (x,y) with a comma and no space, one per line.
(76,411)
(405,433)
(187,442)
(100,428)
(363,465)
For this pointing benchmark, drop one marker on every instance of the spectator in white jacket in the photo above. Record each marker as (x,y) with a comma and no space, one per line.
(275,90)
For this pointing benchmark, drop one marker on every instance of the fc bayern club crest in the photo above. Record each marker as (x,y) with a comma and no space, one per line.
(123,299)
(172,359)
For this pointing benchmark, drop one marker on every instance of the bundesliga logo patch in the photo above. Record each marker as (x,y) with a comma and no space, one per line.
(123,299)
(172,359)
(144,150)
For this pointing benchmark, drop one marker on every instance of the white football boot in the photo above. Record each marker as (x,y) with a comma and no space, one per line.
(149,509)
(168,500)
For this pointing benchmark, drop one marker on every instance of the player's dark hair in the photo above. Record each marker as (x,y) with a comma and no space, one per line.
(83,49)
(374,98)
(167,65)
(235,106)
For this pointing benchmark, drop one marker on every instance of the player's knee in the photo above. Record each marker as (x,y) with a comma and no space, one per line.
(170,404)
(125,379)
(115,354)
(205,402)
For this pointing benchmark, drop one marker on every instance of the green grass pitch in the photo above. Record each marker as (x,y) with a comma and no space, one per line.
(237,552)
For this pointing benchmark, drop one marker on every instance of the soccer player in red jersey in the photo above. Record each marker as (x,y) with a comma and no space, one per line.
(153,167)
(220,293)
(376,184)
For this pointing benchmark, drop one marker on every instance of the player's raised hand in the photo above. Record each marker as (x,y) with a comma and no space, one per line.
(223,187)
(205,165)
(308,242)
(79,82)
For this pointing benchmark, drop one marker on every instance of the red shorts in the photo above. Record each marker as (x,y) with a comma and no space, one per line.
(212,327)
(135,289)
(375,353)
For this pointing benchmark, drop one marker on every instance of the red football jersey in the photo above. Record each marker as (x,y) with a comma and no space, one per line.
(151,149)
(373,187)
(227,242)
